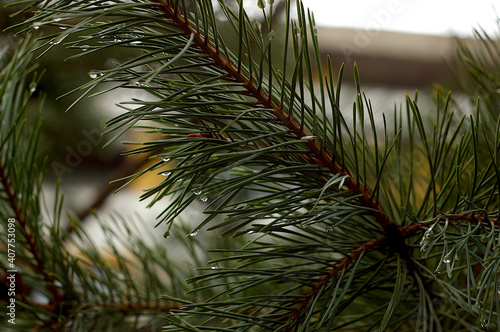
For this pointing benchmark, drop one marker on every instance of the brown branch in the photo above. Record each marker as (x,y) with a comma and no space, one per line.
(126,167)
(409,231)
(125,305)
(472,217)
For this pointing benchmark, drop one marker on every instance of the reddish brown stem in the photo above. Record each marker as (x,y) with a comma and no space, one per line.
(474,217)
(342,264)
(125,305)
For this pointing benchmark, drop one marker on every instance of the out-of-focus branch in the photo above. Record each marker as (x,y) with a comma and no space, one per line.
(126,167)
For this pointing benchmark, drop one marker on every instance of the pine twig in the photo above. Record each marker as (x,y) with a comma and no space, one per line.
(322,157)
(128,306)
(472,217)
(342,264)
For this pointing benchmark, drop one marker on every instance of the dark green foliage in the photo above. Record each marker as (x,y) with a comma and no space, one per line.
(328,224)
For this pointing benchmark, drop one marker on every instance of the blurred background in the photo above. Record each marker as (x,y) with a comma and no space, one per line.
(398,45)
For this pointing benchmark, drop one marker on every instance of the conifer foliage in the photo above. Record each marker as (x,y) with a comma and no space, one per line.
(365,224)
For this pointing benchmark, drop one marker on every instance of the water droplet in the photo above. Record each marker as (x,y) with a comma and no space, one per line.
(204,198)
(63,28)
(165,173)
(57,19)
(252,232)
(32,89)
(193,233)
(329,230)
(93,74)
(136,42)
(179,180)
(214,266)
(196,191)
(165,159)
(19,196)
(85,48)
(319,215)
(304,225)
(308,138)
(447,258)
(36,25)
(166,235)
(426,238)
(120,276)
(59,40)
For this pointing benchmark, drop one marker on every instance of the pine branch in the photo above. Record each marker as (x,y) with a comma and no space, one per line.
(473,218)
(320,155)
(141,307)
(297,315)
